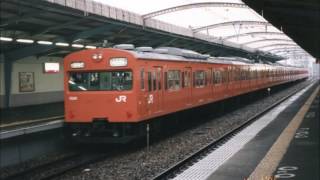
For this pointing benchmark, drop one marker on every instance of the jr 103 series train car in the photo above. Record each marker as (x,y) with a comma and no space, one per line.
(110,93)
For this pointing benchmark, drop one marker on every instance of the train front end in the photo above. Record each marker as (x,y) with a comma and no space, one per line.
(99,95)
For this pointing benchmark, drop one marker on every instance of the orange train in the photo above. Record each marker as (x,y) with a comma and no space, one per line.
(110,93)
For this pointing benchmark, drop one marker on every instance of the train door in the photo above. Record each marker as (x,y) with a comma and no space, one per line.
(219,90)
(187,73)
(143,95)
(228,81)
(155,90)
(159,90)
(150,96)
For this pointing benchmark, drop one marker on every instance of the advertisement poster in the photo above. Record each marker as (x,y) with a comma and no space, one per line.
(26,82)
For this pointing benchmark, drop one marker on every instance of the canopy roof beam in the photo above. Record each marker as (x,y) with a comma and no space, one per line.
(283,48)
(277,44)
(253,34)
(292,54)
(193,5)
(266,40)
(231,23)
(288,51)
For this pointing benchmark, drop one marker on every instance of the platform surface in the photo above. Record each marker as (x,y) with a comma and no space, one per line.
(30,119)
(270,148)
(29,113)
(300,159)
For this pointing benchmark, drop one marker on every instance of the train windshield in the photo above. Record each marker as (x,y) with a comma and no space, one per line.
(100,81)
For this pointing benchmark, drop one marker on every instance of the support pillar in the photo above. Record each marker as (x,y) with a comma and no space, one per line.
(7,80)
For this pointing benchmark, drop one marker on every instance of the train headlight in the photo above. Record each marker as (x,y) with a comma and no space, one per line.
(97,57)
(77,65)
(118,62)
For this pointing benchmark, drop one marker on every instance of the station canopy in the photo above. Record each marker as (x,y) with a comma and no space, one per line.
(224,20)
(215,27)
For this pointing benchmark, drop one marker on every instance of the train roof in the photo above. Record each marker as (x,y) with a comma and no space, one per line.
(179,54)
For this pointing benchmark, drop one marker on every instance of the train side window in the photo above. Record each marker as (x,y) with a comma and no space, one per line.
(188,79)
(229,74)
(235,74)
(252,74)
(217,77)
(173,79)
(149,82)
(213,77)
(165,80)
(194,79)
(142,79)
(243,74)
(200,78)
(208,75)
(159,79)
(183,79)
(154,81)
(224,76)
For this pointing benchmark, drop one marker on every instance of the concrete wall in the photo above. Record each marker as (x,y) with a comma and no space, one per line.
(48,87)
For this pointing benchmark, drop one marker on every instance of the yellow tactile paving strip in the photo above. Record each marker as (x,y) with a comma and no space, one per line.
(270,162)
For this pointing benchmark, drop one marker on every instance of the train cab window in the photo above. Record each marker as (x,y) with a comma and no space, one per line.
(149,82)
(200,79)
(100,81)
(173,79)
(142,79)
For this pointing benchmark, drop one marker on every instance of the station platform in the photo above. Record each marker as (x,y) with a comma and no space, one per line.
(29,119)
(285,147)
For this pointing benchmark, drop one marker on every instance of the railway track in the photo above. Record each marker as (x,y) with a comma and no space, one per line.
(58,167)
(182,165)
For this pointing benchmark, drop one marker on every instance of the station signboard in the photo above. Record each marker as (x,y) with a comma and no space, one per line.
(51,67)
